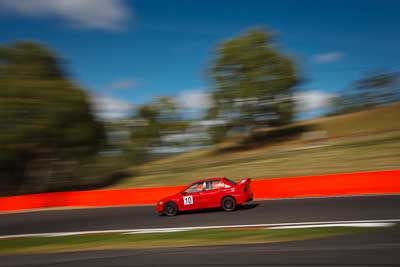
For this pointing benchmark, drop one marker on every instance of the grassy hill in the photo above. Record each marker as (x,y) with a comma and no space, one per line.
(371,121)
(362,141)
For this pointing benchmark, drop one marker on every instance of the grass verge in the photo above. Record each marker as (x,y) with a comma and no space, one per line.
(366,153)
(175,239)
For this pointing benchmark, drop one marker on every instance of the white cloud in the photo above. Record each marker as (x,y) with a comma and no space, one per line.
(93,14)
(327,57)
(123,84)
(195,99)
(312,100)
(107,107)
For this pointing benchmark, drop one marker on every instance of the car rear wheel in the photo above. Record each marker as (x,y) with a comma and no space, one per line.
(228,204)
(170,209)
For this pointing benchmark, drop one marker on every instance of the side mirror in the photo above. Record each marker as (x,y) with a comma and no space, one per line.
(183,193)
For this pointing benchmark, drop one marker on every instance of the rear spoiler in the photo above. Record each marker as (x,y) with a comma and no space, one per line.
(245,181)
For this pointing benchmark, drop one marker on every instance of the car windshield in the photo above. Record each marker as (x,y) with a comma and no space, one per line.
(197,187)
(230,181)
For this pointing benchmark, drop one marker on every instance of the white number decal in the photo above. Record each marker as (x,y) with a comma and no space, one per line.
(188,200)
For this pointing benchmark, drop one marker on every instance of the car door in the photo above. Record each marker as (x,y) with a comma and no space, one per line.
(209,197)
(191,197)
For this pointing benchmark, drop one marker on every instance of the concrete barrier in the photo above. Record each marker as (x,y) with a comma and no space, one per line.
(363,183)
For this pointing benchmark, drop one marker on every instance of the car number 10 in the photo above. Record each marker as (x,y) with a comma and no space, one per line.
(188,200)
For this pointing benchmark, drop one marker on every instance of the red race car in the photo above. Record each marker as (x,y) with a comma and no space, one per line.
(208,193)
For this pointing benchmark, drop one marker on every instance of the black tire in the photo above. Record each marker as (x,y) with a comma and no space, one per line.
(228,204)
(170,209)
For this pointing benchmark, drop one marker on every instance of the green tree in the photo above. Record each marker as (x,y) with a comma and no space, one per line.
(46,125)
(378,88)
(254,81)
(153,121)
(371,90)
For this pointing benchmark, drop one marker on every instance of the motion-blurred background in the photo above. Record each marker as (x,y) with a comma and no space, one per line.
(117,94)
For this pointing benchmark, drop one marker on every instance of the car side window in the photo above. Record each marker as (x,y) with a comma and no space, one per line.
(226,184)
(213,184)
(197,187)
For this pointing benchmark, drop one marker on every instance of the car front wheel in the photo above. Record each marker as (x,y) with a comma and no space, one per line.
(170,209)
(228,204)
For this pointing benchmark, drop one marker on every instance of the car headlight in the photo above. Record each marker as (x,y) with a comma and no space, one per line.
(160,203)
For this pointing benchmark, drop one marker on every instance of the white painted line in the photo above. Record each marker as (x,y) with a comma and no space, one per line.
(148,231)
(167,230)
(368,224)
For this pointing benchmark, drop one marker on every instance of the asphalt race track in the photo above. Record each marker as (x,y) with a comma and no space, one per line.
(273,211)
(380,248)
(373,249)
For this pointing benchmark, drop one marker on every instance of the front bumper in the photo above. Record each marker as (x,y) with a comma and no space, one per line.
(159,208)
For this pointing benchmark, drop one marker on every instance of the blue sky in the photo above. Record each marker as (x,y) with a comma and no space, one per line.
(127,52)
